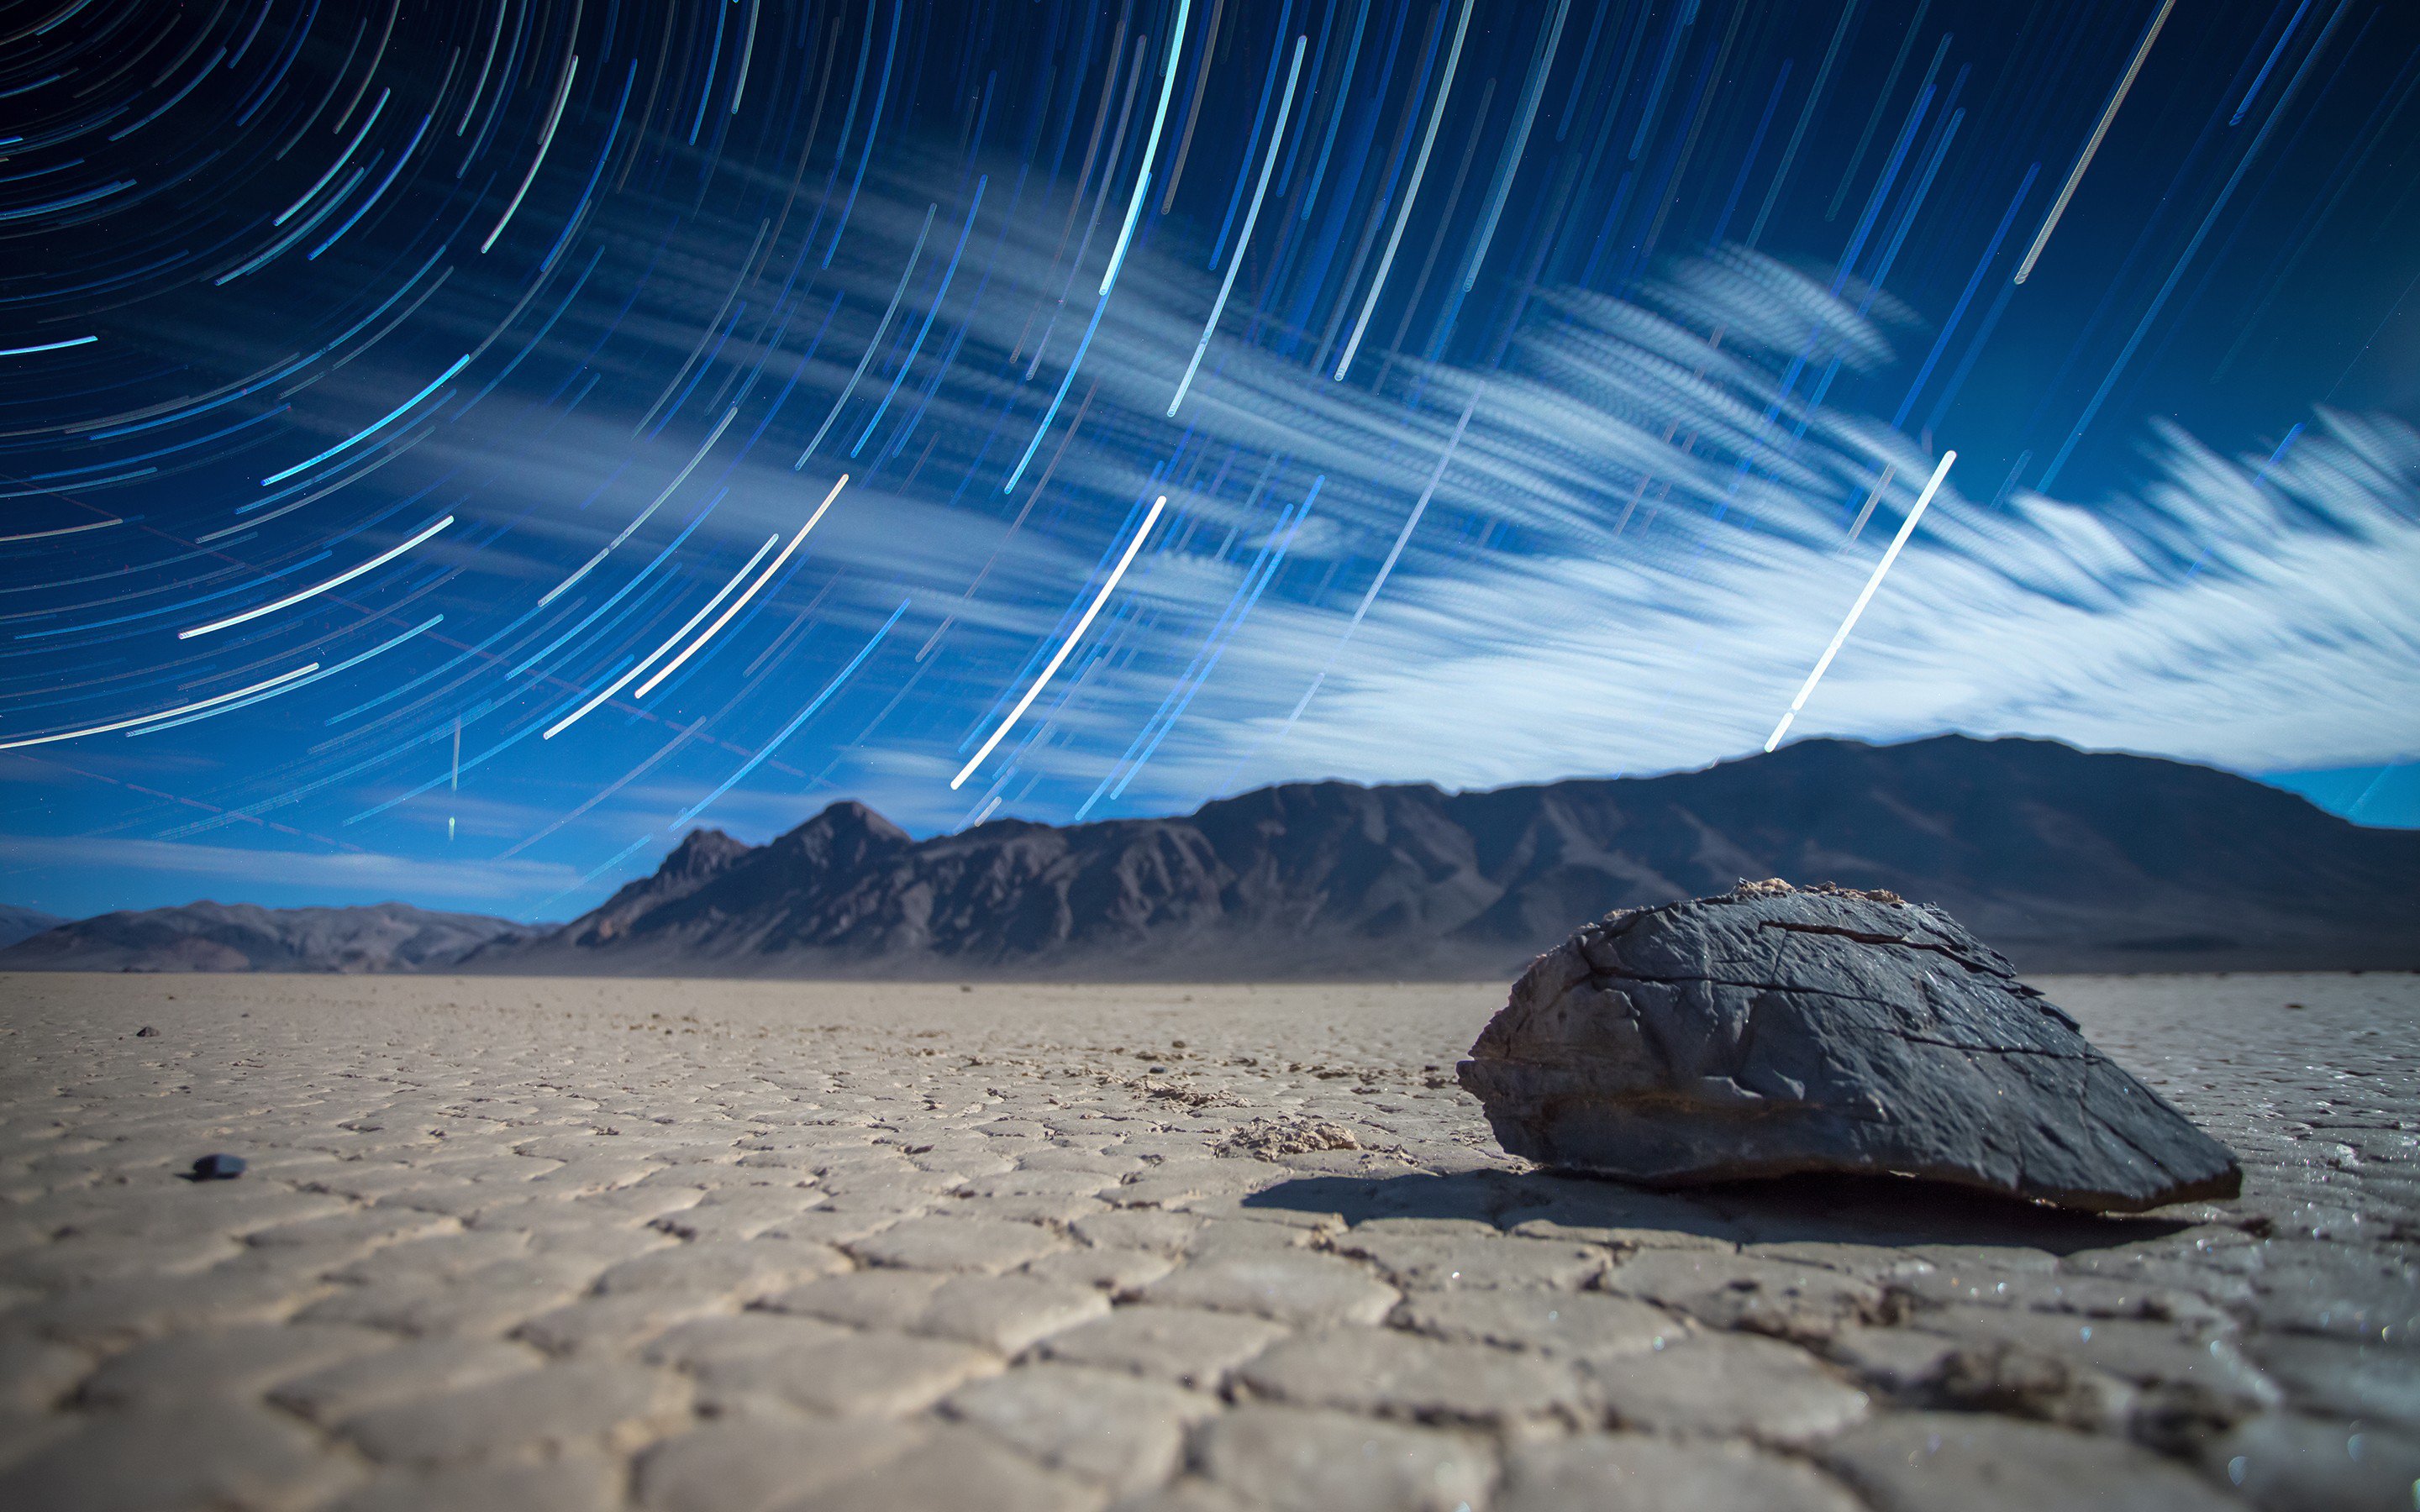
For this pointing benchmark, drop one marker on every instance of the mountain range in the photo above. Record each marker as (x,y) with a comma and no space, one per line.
(2064,860)
(207,936)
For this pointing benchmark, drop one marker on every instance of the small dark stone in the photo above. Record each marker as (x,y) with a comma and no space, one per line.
(146,1032)
(1773,1031)
(218,1168)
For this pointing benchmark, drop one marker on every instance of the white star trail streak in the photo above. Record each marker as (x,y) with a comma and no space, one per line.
(360,436)
(316,589)
(754,589)
(640,518)
(1064,646)
(2092,143)
(159,713)
(649,660)
(1411,191)
(1523,117)
(1865,596)
(1226,284)
(546,140)
(881,328)
(1150,149)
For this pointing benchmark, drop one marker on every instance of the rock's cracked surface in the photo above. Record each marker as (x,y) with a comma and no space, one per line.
(679,1247)
(1776,1030)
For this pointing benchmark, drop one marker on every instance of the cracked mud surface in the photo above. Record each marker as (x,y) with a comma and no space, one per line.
(733,1246)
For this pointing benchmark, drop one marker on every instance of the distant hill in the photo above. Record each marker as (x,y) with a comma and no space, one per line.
(2065,861)
(24,924)
(207,936)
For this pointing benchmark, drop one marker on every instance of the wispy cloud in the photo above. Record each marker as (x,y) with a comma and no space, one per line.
(1639,547)
(151,873)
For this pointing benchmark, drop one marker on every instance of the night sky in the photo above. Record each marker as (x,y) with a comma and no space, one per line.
(452,449)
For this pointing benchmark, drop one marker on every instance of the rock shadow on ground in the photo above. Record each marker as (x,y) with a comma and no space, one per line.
(1825,1208)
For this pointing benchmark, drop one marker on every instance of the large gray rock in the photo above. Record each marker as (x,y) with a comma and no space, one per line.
(1774,1030)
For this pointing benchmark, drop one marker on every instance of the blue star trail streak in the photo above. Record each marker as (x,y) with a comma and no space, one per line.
(421,433)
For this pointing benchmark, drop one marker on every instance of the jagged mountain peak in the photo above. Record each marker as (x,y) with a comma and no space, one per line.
(847,822)
(702,853)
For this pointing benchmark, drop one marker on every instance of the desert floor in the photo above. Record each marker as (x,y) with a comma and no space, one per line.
(717,1247)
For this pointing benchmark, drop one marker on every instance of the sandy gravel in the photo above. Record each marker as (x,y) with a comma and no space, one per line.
(719,1247)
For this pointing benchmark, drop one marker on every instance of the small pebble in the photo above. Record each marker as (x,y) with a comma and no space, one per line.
(146,1032)
(218,1168)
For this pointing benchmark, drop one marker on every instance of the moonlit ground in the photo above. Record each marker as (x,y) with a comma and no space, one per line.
(749,1245)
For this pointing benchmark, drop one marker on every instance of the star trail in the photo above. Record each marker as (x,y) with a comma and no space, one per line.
(446,451)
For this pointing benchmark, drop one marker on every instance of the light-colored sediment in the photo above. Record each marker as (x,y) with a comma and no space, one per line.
(724,1247)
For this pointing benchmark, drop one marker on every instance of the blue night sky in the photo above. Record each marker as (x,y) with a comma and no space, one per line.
(424,429)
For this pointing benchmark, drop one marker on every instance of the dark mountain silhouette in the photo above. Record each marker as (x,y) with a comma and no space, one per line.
(207,936)
(24,924)
(2064,860)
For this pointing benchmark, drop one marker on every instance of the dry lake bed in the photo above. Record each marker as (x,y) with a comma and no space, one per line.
(722,1247)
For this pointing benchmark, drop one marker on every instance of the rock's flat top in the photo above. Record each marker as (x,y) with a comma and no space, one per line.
(562,1245)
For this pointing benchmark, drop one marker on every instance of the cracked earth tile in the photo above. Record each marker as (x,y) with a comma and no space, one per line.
(1103,1425)
(756,1466)
(742,1214)
(1178,1183)
(82,1262)
(1290,1286)
(955,1467)
(1423,1263)
(1395,1374)
(224,1364)
(1920,1461)
(197,1453)
(1115,1270)
(576,1483)
(742,1269)
(691,1345)
(1728,1385)
(554,1409)
(481,1302)
(1222,1237)
(443,1257)
(1187,1345)
(865,1374)
(121,1312)
(1293,1460)
(1801,1301)
(883,1298)
(1582,1325)
(936,1243)
(1028,1181)
(420,1367)
(1896,1362)
(609,1324)
(1144,1228)
(1636,1473)
(2146,1353)
(1007,1313)
(351,1232)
